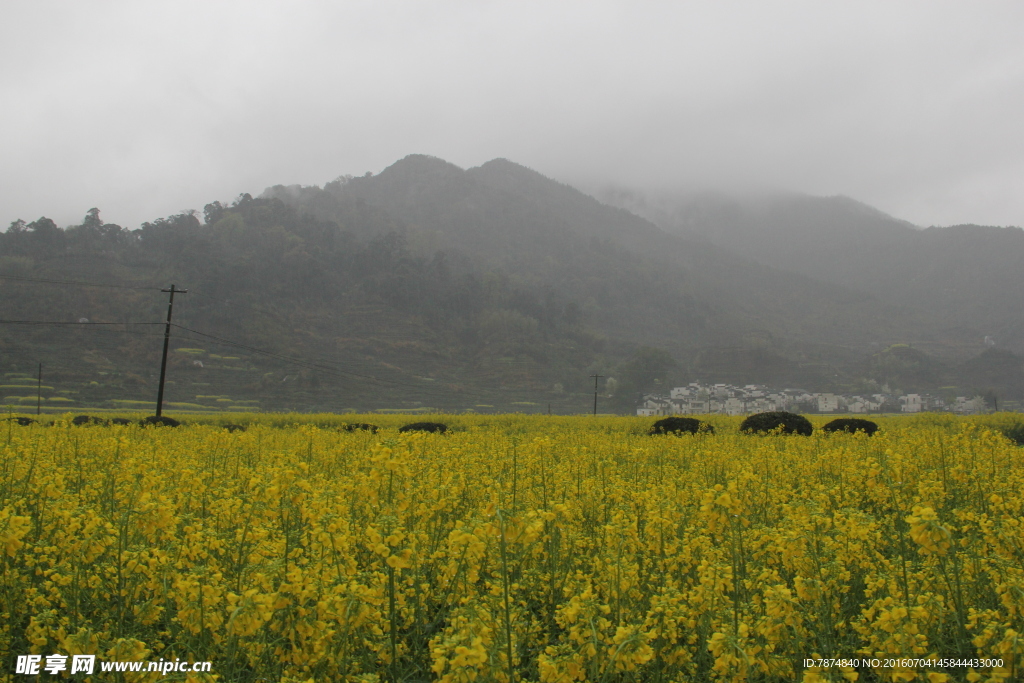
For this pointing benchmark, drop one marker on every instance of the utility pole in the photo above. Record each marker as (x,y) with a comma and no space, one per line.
(167,341)
(39,391)
(596,377)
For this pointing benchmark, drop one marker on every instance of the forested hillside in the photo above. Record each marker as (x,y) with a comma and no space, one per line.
(634,278)
(430,286)
(964,282)
(377,325)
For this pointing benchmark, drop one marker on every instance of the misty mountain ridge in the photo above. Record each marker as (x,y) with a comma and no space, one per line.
(537,230)
(680,291)
(497,286)
(967,279)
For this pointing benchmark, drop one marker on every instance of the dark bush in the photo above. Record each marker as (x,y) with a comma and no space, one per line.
(87,420)
(120,421)
(235,428)
(160,421)
(791,423)
(680,425)
(851,424)
(435,427)
(23,421)
(1015,433)
(364,426)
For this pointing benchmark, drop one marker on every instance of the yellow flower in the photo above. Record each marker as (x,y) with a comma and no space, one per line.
(927,532)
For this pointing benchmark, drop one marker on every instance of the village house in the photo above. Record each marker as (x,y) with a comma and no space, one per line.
(725,399)
(828,403)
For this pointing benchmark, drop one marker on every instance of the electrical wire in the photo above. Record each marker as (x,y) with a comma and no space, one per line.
(76,283)
(308,364)
(299,362)
(275,318)
(77,324)
(182,303)
(270,354)
(380,382)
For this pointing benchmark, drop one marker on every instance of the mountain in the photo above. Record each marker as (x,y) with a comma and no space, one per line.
(431,286)
(633,278)
(964,282)
(281,309)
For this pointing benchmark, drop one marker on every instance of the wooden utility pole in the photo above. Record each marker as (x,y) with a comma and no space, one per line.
(596,377)
(167,341)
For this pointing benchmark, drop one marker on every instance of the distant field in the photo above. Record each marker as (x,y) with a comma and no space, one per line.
(515,547)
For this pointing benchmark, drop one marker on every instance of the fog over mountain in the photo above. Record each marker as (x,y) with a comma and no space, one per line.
(786,163)
(967,278)
(497,287)
(150,109)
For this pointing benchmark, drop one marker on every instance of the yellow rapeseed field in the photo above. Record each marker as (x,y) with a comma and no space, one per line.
(516,548)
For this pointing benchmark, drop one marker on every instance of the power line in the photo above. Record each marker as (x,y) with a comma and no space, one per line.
(299,362)
(242,306)
(76,324)
(311,365)
(263,352)
(221,340)
(274,317)
(341,375)
(249,306)
(596,377)
(167,342)
(73,282)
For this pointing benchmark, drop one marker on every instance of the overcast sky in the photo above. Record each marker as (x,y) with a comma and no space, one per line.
(146,109)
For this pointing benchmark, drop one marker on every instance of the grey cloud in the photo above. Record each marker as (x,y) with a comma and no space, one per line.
(145,109)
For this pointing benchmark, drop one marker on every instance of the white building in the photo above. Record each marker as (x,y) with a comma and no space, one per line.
(828,403)
(911,403)
(698,399)
(968,406)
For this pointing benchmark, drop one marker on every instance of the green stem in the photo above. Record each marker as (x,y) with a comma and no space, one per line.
(507,608)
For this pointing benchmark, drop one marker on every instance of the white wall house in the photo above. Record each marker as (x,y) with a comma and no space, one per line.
(698,399)
(968,406)
(911,403)
(828,403)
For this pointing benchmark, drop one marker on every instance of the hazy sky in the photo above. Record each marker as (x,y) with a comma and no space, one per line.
(145,109)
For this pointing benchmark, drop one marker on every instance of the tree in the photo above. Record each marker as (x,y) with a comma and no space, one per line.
(45,234)
(213,212)
(996,370)
(646,369)
(991,400)
(92,219)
